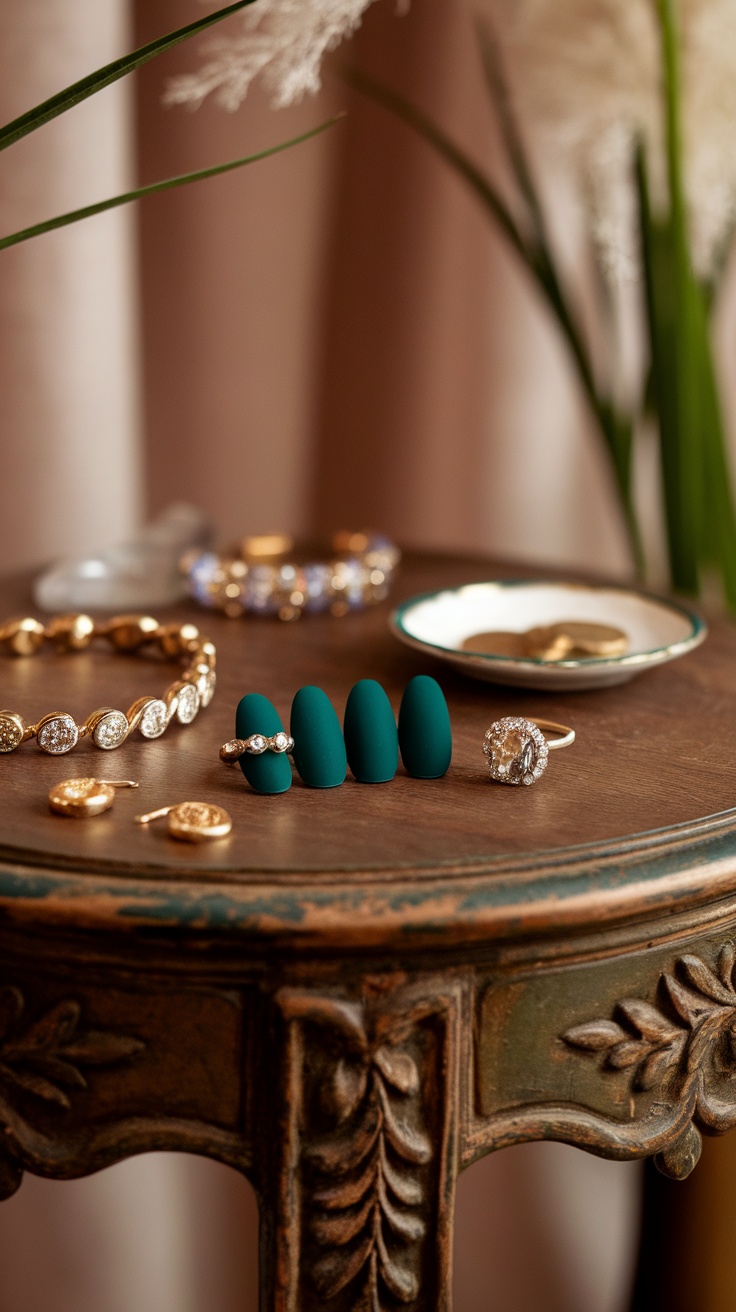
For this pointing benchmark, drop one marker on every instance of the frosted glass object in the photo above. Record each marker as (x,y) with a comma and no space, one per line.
(136,575)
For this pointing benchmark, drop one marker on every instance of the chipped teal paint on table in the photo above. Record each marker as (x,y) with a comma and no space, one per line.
(367,987)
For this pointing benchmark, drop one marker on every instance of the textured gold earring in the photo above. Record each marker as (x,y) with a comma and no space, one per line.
(192,822)
(83,798)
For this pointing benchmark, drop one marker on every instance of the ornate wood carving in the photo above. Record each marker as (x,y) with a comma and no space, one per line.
(43,1059)
(680,1049)
(366,1193)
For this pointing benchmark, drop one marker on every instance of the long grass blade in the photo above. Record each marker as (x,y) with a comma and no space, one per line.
(103,77)
(667,344)
(479,182)
(675,330)
(510,133)
(74,216)
(538,257)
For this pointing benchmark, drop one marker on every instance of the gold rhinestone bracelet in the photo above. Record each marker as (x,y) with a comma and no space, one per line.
(264,575)
(58,732)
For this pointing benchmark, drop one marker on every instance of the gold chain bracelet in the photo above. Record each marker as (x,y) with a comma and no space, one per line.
(58,732)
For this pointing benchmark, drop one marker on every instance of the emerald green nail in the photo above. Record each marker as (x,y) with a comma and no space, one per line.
(425,734)
(271,772)
(371,739)
(319,747)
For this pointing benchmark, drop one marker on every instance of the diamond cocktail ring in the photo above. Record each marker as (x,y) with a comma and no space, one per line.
(517,750)
(255,745)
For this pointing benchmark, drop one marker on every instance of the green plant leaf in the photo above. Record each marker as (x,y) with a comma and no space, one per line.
(74,216)
(103,77)
(718,521)
(664,288)
(510,133)
(536,255)
(701,525)
(478,181)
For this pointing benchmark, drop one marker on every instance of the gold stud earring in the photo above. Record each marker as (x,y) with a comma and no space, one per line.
(85,797)
(192,822)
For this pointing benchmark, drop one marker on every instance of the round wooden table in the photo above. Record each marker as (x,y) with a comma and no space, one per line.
(364,989)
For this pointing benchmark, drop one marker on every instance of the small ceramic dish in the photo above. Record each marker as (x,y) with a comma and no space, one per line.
(438,623)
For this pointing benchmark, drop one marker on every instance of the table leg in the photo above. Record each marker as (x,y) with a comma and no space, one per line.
(11,1177)
(358,1215)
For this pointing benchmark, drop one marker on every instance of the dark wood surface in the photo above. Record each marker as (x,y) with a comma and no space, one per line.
(650,756)
(365,989)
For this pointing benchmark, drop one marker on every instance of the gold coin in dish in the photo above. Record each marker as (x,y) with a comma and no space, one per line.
(497,644)
(83,798)
(565,640)
(545,644)
(591,639)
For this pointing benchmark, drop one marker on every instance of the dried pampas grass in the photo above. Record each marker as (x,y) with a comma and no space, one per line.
(587,79)
(282,40)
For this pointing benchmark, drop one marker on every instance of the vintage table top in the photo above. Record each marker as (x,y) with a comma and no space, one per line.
(632,820)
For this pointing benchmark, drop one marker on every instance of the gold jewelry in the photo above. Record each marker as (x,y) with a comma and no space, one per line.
(255,745)
(58,732)
(565,641)
(258,577)
(85,797)
(192,822)
(517,750)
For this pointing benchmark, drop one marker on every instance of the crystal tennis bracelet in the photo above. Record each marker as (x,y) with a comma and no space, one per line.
(58,732)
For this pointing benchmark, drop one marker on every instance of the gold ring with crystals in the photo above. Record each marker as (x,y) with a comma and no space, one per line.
(255,745)
(58,732)
(517,749)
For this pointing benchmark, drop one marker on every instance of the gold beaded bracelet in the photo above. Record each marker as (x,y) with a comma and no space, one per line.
(58,732)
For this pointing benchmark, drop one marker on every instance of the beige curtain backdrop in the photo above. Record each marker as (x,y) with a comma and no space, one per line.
(333,337)
(69,449)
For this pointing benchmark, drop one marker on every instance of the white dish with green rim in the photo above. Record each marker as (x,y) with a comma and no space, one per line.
(438,623)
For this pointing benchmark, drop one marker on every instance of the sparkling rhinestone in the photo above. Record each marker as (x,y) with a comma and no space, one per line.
(256,744)
(154,719)
(516,750)
(188,704)
(259,588)
(349,579)
(206,684)
(58,735)
(280,742)
(111,731)
(202,577)
(11,732)
(382,554)
(317,587)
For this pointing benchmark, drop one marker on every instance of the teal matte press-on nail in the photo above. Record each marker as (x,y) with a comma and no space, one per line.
(371,739)
(319,747)
(425,734)
(271,772)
